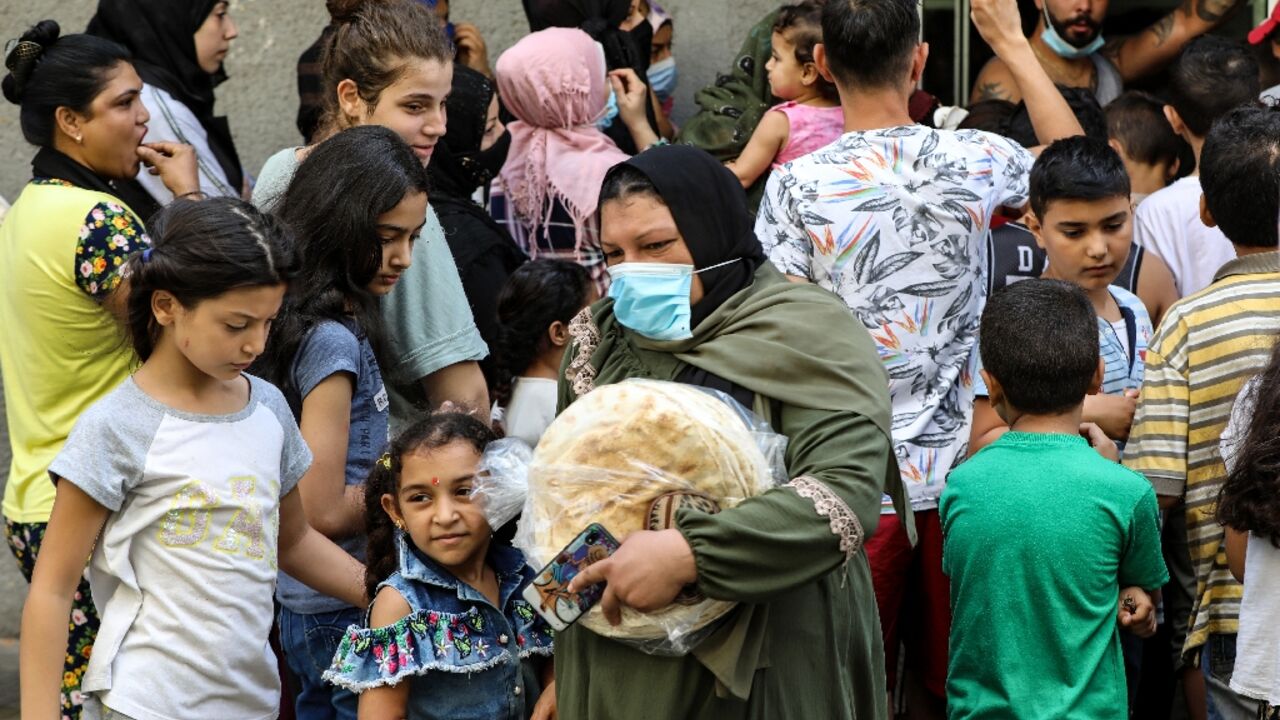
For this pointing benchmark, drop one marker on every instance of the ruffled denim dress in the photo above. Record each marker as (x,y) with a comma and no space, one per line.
(463,656)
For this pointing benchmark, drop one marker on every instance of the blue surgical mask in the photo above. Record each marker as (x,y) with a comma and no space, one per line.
(663,78)
(610,112)
(652,299)
(1061,47)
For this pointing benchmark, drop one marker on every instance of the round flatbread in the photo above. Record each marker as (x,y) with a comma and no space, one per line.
(613,455)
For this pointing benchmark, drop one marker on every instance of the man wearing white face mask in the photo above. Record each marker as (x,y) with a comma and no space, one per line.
(1068,43)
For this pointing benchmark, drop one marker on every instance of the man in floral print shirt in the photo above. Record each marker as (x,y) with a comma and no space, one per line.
(892,217)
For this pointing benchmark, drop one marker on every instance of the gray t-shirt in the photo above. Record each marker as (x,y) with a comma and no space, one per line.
(184,570)
(333,347)
(428,319)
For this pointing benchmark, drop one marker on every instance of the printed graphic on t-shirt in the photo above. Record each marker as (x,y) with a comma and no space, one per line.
(190,521)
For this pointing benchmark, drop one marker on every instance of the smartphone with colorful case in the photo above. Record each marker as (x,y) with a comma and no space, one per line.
(549,594)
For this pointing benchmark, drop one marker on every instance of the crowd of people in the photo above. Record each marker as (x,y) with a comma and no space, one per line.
(1023,353)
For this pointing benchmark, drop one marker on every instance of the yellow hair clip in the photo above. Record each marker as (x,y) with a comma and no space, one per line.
(385,460)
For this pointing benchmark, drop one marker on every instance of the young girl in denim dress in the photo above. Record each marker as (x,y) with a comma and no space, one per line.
(448,634)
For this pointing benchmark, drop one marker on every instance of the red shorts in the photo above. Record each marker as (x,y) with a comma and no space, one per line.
(910,580)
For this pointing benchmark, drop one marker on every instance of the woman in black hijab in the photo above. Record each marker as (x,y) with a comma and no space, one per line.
(721,237)
(178,47)
(468,156)
(804,641)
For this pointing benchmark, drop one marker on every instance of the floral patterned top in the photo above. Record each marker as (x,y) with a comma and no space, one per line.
(894,221)
(109,235)
(463,656)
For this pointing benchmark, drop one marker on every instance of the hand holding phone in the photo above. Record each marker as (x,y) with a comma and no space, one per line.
(647,573)
(549,594)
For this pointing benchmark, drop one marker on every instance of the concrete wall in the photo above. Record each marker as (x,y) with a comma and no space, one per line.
(261,97)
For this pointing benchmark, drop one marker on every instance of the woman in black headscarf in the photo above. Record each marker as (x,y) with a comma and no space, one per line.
(178,47)
(804,641)
(469,156)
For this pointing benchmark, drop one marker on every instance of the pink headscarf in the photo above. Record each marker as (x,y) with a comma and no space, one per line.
(554,82)
(657,17)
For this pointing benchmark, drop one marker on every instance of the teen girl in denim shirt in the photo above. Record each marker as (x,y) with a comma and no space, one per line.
(448,635)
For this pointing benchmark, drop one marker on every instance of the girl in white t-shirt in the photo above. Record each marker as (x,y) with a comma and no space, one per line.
(535,308)
(1249,508)
(181,484)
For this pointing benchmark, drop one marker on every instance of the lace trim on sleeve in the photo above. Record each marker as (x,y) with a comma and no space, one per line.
(844,523)
(586,335)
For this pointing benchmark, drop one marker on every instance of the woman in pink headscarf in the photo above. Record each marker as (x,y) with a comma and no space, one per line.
(554,82)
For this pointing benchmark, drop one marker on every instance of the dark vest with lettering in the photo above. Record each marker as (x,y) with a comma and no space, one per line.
(1012,255)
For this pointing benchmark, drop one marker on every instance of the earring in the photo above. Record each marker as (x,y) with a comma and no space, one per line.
(399,525)
(80,139)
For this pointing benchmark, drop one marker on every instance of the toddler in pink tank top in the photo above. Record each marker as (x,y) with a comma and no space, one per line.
(811,117)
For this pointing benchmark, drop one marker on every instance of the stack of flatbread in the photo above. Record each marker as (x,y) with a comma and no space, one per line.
(625,455)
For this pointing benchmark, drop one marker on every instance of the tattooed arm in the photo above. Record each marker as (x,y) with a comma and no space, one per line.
(1151,49)
(997,21)
(995,82)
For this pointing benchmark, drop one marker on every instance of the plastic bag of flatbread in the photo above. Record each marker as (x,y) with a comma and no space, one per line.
(501,483)
(628,456)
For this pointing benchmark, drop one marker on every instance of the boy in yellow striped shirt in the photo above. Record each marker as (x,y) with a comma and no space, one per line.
(1207,346)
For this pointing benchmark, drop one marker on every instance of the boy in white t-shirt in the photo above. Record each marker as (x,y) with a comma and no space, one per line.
(1210,77)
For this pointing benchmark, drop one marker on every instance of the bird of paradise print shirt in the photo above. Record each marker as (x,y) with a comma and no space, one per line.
(893,221)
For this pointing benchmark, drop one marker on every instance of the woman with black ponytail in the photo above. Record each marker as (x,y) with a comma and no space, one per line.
(65,241)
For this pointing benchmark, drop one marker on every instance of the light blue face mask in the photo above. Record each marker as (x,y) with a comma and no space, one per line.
(653,298)
(663,78)
(1061,47)
(610,112)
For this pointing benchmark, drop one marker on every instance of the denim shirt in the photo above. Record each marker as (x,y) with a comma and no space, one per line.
(462,655)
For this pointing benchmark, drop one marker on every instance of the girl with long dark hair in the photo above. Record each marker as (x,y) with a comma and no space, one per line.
(1249,507)
(356,204)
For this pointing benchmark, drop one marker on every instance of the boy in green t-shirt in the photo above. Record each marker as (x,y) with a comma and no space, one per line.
(1047,540)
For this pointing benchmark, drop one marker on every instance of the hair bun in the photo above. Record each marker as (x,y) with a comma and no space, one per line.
(23,54)
(344,11)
